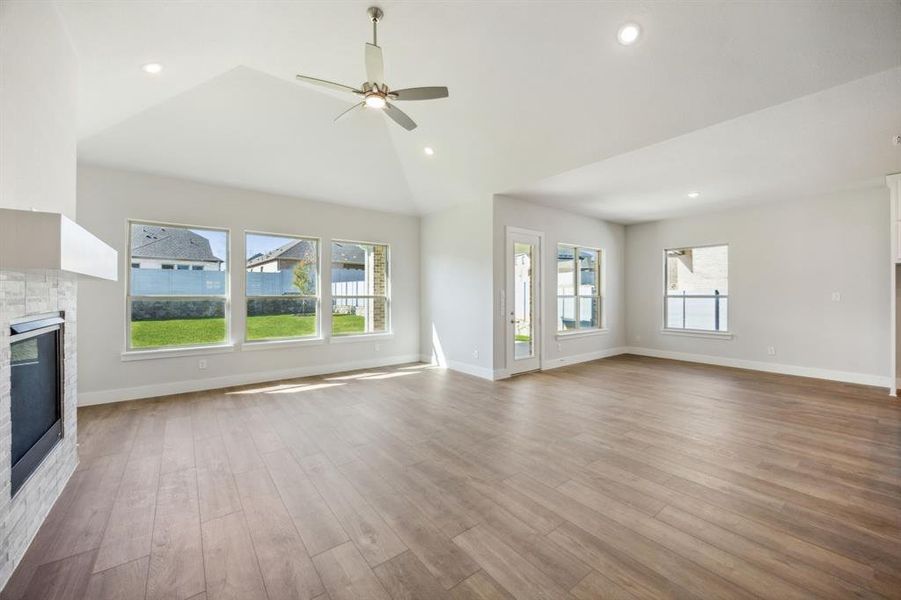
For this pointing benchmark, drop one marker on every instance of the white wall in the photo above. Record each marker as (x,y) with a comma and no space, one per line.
(38,98)
(785,260)
(38,94)
(107,198)
(569,228)
(457,288)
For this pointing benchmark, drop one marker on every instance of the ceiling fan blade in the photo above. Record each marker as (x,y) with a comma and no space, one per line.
(420,93)
(400,117)
(349,110)
(328,84)
(375,66)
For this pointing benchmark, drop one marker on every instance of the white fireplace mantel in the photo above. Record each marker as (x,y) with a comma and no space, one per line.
(46,240)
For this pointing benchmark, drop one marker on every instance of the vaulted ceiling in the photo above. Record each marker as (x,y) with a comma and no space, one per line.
(542,97)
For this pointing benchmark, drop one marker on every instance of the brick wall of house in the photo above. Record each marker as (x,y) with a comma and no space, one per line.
(21,295)
(380,287)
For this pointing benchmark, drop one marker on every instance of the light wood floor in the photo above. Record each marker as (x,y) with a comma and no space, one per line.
(623,478)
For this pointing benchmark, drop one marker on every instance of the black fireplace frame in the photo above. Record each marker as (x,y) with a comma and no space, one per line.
(32,459)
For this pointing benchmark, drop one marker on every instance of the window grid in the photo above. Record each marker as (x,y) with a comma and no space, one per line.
(696,310)
(577,299)
(376,303)
(312,270)
(131,298)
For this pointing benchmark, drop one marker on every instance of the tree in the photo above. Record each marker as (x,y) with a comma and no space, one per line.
(303,278)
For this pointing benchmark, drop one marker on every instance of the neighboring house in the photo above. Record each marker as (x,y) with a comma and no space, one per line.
(282,258)
(349,259)
(172,248)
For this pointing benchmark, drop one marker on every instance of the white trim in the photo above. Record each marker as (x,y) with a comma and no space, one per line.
(360,337)
(130,355)
(722,335)
(212,383)
(579,333)
(754,365)
(531,363)
(893,182)
(277,344)
(468,369)
(226,297)
(564,361)
(474,370)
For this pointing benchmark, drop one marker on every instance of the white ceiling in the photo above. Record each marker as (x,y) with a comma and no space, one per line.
(537,89)
(823,142)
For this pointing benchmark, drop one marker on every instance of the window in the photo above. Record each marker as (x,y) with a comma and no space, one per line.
(169,307)
(696,295)
(360,288)
(183,267)
(579,295)
(282,287)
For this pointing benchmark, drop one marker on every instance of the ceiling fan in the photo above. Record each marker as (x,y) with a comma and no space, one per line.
(375,92)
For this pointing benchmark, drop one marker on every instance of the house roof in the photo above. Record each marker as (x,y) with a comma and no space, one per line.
(296,250)
(176,243)
(348,254)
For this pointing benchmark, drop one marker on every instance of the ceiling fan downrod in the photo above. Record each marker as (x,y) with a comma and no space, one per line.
(375,15)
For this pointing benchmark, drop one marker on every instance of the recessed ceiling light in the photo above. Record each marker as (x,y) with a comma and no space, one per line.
(152,68)
(694,194)
(628,34)
(429,151)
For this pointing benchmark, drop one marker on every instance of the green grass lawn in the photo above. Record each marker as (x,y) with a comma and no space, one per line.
(185,332)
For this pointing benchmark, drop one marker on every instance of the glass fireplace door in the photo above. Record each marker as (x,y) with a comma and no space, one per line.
(36,392)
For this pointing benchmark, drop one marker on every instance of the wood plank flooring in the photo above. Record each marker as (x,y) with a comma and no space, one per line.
(627,477)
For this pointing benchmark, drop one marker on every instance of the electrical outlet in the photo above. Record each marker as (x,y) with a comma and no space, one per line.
(377,347)
(637,338)
(836,296)
(475,353)
(559,346)
(771,350)
(201,364)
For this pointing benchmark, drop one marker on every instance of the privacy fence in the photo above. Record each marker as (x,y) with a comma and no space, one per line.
(173,294)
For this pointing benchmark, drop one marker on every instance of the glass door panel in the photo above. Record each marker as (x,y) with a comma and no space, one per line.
(523,322)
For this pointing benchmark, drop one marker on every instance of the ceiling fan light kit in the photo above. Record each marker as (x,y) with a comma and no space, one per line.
(376,94)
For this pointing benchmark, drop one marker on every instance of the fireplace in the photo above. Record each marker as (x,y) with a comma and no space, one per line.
(36,392)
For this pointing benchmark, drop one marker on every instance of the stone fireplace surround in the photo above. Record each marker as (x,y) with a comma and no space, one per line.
(23,294)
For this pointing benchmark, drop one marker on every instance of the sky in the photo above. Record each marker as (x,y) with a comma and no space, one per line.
(217,241)
(257,243)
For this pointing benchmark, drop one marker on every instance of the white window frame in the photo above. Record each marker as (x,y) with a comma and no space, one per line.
(318,297)
(726,333)
(599,296)
(166,350)
(387,296)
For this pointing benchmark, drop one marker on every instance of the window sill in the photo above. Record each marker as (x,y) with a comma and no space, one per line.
(718,335)
(130,355)
(278,344)
(583,333)
(360,337)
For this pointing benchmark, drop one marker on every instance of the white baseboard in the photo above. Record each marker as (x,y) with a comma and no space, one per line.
(754,365)
(213,383)
(556,363)
(462,367)
(474,370)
